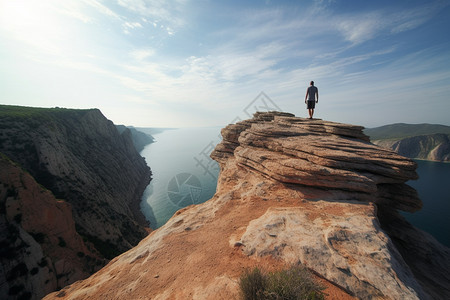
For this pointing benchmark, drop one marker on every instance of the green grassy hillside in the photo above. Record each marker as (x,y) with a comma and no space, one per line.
(11,111)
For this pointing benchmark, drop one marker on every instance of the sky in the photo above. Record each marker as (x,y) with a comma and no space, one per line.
(186,63)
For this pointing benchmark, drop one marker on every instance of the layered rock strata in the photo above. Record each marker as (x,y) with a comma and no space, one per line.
(320,154)
(289,190)
(80,156)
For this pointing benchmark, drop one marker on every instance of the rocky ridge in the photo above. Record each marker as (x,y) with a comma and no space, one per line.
(70,193)
(289,190)
(80,156)
(139,138)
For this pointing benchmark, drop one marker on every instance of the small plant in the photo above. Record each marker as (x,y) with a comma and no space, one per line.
(293,283)
(253,284)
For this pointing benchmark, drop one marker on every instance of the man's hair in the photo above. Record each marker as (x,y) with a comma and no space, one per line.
(311,83)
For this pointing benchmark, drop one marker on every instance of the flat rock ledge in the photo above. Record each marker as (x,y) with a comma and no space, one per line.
(320,154)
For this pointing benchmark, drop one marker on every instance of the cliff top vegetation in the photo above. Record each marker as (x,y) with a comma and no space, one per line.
(402,130)
(37,112)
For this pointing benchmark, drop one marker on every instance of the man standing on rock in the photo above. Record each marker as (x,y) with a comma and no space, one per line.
(312,96)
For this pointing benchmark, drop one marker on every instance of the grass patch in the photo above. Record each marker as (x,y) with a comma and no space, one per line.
(293,283)
(35,112)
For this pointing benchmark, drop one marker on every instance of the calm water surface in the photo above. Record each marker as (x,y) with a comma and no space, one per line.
(183,174)
(433,187)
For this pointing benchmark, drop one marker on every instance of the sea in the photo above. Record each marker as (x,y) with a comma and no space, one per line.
(184,174)
(433,187)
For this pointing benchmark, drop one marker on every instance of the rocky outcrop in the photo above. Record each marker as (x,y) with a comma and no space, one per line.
(40,249)
(289,190)
(332,156)
(434,147)
(320,154)
(89,184)
(139,138)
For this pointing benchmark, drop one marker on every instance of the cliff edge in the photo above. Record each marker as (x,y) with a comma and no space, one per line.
(289,190)
(419,141)
(70,193)
(435,147)
(80,156)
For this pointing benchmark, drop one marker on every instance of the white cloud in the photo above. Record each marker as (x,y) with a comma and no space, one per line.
(127,26)
(132,25)
(358,29)
(273,50)
(103,9)
(414,17)
(72,9)
(142,54)
(167,12)
(361,27)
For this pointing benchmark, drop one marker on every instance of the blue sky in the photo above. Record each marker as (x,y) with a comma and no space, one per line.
(183,63)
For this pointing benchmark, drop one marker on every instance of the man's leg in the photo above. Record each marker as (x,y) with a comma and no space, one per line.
(311,113)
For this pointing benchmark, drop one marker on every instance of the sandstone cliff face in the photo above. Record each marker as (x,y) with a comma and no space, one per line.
(290,189)
(434,147)
(40,248)
(80,156)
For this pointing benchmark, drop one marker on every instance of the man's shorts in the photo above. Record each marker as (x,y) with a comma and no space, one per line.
(311,104)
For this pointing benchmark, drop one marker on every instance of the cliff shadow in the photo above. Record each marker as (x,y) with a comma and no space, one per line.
(146,208)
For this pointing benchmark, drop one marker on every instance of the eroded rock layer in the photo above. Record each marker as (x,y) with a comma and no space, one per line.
(320,154)
(80,156)
(289,190)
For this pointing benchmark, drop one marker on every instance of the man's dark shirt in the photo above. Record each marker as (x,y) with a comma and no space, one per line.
(312,90)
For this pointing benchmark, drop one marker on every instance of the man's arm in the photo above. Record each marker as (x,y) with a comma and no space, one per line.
(317,95)
(306,96)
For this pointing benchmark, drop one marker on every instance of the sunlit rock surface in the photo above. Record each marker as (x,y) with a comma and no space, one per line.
(290,189)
